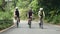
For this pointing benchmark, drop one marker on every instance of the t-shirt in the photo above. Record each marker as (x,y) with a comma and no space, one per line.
(17,13)
(40,14)
(30,13)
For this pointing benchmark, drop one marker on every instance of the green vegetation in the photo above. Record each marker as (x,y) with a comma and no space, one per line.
(5,15)
(5,24)
(5,20)
(52,10)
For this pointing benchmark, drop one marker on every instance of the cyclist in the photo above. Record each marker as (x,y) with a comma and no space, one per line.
(30,17)
(16,15)
(41,15)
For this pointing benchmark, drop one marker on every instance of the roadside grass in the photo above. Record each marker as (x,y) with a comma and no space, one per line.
(5,19)
(5,24)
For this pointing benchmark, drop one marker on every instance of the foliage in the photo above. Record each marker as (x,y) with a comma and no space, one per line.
(51,9)
(35,7)
(5,24)
(0,2)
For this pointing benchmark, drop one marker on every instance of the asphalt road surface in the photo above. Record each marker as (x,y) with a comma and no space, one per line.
(24,29)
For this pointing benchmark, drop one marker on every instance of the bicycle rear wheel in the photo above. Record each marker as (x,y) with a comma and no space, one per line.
(41,25)
(29,23)
(17,24)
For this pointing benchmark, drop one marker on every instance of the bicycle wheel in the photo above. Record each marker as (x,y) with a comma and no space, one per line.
(41,24)
(29,23)
(17,24)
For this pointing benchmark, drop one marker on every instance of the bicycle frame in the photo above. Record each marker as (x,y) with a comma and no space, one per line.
(29,22)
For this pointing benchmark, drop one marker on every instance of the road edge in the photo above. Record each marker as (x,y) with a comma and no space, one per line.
(7,28)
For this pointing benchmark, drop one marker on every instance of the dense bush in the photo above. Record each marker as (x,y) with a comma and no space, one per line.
(5,24)
(5,19)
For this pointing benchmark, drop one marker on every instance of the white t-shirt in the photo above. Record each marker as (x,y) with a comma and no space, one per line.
(40,13)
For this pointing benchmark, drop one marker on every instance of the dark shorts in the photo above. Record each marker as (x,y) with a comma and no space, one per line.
(30,18)
(17,17)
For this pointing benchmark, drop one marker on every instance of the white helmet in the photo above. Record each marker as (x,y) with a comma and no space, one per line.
(41,8)
(16,8)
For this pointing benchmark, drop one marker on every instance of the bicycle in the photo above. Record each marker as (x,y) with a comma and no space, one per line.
(29,22)
(17,21)
(41,24)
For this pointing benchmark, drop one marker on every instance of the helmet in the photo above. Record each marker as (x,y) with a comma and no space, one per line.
(16,8)
(41,8)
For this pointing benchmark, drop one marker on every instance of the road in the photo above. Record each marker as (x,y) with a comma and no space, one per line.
(23,29)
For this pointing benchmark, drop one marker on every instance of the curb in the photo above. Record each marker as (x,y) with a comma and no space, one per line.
(7,28)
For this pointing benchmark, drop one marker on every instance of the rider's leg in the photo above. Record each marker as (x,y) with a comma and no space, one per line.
(41,22)
(17,24)
(29,22)
(18,21)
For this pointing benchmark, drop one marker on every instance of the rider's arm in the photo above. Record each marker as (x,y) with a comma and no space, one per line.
(43,14)
(19,13)
(39,14)
(27,14)
(14,14)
